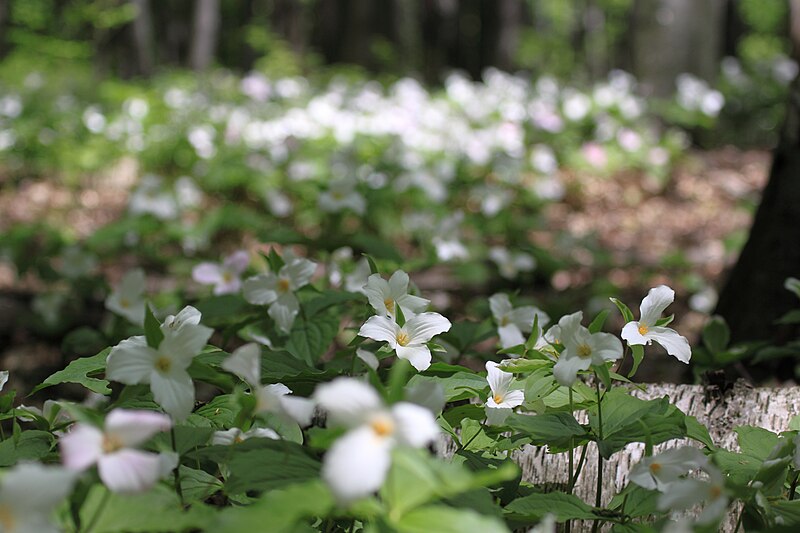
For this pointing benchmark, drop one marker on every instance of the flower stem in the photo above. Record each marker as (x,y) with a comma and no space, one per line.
(599,498)
(100,508)
(793,487)
(176,472)
(483,426)
(570,483)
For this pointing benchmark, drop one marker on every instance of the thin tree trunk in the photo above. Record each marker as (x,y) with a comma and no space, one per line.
(143,37)
(770,409)
(204,34)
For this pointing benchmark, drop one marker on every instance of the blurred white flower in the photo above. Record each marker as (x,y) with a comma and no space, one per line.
(127,299)
(236,435)
(29,494)
(658,471)
(384,295)
(511,322)
(277,290)
(226,277)
(341,195)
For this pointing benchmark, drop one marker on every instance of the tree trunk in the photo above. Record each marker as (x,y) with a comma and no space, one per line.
(204,34)
(770,409)
(675,36)
(143,42)
(754,297)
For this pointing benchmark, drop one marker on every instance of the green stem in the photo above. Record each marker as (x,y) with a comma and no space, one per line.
(794,486)
(483,426)
(570,482)
(599,497)
(581,462)
(176,472)
(100,508)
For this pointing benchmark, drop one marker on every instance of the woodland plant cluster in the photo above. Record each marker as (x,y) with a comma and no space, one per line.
(303,382)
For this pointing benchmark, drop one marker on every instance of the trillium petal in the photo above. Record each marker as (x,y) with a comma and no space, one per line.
(260,433)
(132,285)
(187,315)
(227,437)
(174,393)
(129,471)
(35,488)
(207,273)
(185,342)
(605,347)
(630,332)
(356,465)
(284,310)
(412,305)
(237,261)
(425,326)
(683,494)
(500,305)
(380,328)
(299,409)
(524,317)
(653,305)
(131,361)
(566,368)
(261,289)
(348,401)
(419,356)
(570,327)
(299,272)
(674,343)
(230,287)
(499,380)
(377,291)
(415,425)
(398,284)
(245,362)
(81,447)
(134,427)
(513,398)
(368,358)
(510,335)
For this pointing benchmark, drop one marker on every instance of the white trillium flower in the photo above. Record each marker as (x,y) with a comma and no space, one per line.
(132,362)
(357,279)
(29,493)
(511,264)
(686,493)
(236,435)
(357,463)
(226,277)
(277,291)
(127,299)
(245,362)
(582,349)
(658,471)
(501,401)
(645,330)
(3,378)
(384,296)
(513,323)
(341,195)
(121,467)
(408,341)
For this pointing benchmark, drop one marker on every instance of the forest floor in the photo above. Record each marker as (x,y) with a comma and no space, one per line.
(632,231)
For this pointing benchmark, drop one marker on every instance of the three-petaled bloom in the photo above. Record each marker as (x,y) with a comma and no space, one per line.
(164,368)
(236,435)
(29,494)
(408,341)
(357,463)
(226,278)
(513,323)
(127,299)
(502,400)
(277,398)
(277,290)
(582,349)
(658,471)
(645,330)
(121,467)
(385,296)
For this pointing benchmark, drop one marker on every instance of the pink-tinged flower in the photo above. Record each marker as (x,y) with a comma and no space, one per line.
(595,155)
(645,330)
(408,341)
(29,494)
(226,278)
(121,467)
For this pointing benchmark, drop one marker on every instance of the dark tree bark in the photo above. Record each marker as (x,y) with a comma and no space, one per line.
(754,296)
(205,31)
(142,32)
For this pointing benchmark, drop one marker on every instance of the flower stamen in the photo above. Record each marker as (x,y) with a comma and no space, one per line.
(643,330)
(163,364)
(584,351)
(402,338)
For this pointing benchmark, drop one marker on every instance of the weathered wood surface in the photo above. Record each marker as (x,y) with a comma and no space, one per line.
(769,408)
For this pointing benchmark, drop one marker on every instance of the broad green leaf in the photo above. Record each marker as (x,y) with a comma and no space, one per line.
(222,309)
(267,465)
(755,441)
(534,507)
(152,329)
(716,334)
(637,351)
(311,338)
(557,431)
(28,445)
(457,386)
(624,309)
(329,299)
(599,320)
(635,501)
(697,431)
(445,519)
(79,371)
(283,509)
(198,485)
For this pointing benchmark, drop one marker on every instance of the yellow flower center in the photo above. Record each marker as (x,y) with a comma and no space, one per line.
(283,285)
(498,398)
(124,303)
(238,439)
(715,492)
(7,520)
(389,303)
(227,277)
(111,443)
(655,468)
(643,330)
(504,321)
(402,338)
(337,195)
(584,351)
(163,364)
(382,426)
